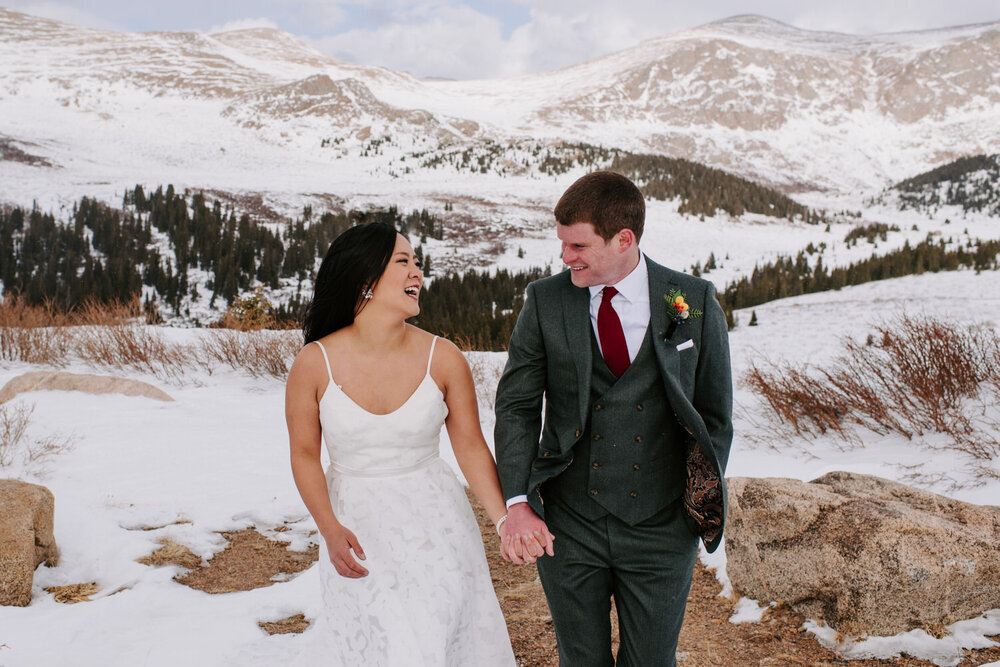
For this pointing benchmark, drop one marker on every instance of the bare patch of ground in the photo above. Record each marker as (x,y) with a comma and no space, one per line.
(172,553)
(11,152)
(249,561)
(291,625)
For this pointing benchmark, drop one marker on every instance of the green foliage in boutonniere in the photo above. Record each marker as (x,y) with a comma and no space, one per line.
(678,309)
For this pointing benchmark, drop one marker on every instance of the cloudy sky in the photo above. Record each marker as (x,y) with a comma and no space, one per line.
(479,38)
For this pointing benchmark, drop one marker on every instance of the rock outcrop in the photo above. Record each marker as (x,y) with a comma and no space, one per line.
(91,384)
(26,513)
(864,554)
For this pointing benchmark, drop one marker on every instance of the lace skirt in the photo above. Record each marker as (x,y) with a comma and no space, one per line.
(428,598)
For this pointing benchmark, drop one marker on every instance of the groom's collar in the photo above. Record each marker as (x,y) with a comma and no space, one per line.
(634,287)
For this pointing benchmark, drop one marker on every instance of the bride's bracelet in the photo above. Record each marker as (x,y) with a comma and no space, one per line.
(500,523)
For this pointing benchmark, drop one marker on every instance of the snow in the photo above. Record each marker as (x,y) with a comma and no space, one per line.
(215,459)
(111,109)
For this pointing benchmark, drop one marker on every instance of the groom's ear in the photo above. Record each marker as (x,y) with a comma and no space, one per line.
(624,239)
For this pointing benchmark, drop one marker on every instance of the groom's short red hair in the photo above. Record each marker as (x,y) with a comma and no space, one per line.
(608,201)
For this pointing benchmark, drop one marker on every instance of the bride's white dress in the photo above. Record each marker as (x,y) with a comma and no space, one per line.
(428,599)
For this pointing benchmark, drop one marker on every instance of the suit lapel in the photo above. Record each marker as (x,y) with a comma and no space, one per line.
(576,315)
(660,283)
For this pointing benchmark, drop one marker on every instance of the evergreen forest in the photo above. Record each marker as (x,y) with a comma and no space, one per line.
(970,182)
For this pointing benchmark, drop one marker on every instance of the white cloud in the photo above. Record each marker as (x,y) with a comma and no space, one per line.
(426,40)
(242,24)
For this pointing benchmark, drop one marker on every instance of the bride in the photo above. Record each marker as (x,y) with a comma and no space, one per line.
(403,574)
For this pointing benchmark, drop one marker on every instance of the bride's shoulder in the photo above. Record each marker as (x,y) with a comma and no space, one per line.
(446,353)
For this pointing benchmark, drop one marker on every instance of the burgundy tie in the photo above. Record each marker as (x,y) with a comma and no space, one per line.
(609,330)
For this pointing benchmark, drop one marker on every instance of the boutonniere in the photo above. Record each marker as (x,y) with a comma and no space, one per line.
(678,311)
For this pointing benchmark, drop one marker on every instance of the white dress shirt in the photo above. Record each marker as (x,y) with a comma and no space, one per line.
(632,305)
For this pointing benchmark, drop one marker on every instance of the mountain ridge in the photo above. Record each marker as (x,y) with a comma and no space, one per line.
(795,109)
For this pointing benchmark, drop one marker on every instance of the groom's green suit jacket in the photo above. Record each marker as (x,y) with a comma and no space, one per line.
(550,355)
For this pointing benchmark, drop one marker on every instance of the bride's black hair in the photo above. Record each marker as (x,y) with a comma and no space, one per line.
(354,263)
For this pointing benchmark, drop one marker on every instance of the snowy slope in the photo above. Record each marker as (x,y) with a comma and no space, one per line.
(260,110)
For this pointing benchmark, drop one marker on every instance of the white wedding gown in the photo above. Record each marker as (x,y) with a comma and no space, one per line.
(428,598)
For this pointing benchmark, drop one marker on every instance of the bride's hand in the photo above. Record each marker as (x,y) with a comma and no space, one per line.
(339,543)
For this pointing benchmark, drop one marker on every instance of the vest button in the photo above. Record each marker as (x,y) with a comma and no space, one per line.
(635,466)
(597,436)
(576,433)
(545,455)
(593,492)
(633,494)
(639,407)
(598,407)
(638,438)
(595,465)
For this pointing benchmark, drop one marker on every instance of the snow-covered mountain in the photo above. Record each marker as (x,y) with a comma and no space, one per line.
(86,112)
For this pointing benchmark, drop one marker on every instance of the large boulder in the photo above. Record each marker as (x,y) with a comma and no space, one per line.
(91,384)
(864,554)
(26,538)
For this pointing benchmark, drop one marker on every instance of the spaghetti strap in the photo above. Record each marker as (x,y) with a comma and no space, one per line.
(430,357)
(329,371)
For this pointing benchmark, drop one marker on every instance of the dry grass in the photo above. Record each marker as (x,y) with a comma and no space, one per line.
(259,353)
(132,345)
(486,375)
(290,625)
(33,334)
(14,420)
(74,593)
(912,376)
(172,553)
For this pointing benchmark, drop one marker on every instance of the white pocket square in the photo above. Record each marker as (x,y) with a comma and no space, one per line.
(685,345)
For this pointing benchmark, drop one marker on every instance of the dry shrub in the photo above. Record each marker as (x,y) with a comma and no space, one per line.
(74,592)
(14,420)
(486,376)
(46,335)
(128,344)
(912,376)
(41,450)
(254,312)
(33,334)
(260,353)
(96,313)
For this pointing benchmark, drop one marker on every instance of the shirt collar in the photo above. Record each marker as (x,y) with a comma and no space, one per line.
(634,287)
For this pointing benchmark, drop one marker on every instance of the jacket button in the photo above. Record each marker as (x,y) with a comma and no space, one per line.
(597,436)
(639,407)
(595,465)
(593,492)
(638,438)
(635,466)
(633,494)
(576,433)
(545,455)
(598,407)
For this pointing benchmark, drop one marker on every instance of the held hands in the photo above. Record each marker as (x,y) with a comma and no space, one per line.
(525,537)
(339,543)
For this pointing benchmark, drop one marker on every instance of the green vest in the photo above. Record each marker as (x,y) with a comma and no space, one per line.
(629,461)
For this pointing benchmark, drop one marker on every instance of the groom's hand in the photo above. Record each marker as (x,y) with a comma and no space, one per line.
(526,537)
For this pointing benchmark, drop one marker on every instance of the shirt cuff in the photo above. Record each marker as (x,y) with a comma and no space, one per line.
(516,499)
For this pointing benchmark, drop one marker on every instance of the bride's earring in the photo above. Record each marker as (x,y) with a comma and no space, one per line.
(368,293)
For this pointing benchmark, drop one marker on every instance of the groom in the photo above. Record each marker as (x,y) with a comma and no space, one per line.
(626,470)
